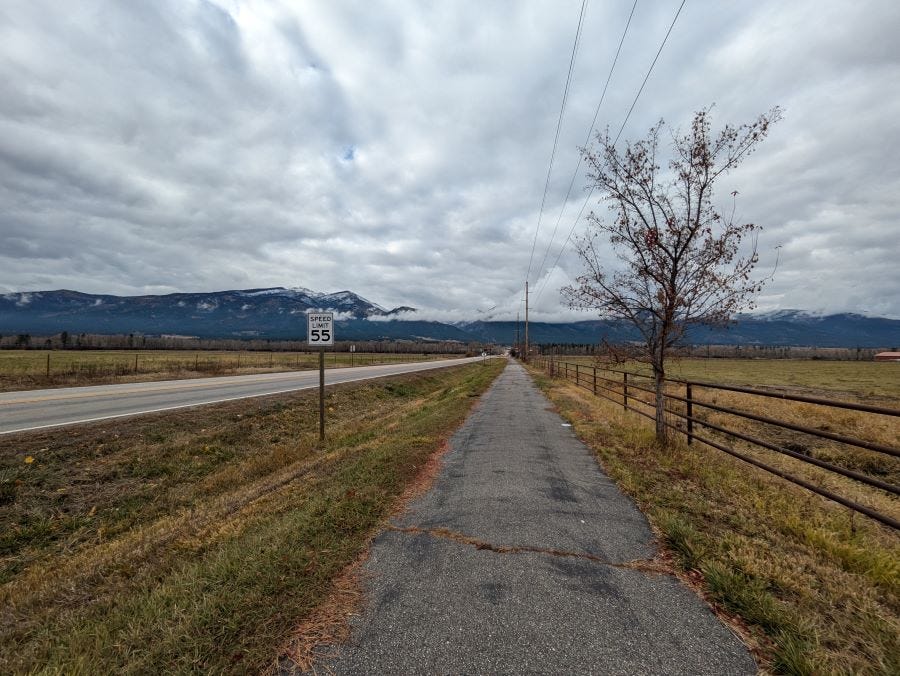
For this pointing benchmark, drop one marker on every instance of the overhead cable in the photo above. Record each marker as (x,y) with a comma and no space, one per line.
(562,110)
(619,134)
(588,138)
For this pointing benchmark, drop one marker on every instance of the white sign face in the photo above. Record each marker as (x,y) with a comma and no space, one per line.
(320,329)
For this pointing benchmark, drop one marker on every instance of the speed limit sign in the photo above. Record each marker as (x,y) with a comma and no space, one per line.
(320,329)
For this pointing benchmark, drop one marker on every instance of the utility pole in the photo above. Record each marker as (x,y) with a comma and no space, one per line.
(526,321)
(518,347)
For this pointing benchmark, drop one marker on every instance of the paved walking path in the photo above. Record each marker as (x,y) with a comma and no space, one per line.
(473,578)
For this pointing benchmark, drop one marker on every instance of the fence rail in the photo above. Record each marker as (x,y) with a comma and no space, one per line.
(631,390)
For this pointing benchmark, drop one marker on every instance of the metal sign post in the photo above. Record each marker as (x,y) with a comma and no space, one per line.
(320,333)
(321,395)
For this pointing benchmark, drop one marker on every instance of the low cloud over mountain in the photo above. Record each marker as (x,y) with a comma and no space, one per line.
(281,313)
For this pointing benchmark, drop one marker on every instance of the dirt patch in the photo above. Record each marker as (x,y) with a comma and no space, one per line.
(424,479)
(329,625)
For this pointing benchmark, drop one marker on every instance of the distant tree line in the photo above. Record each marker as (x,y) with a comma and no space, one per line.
(733,351)
(132,341)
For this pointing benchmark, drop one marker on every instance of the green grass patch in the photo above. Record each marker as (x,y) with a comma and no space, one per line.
(193,542)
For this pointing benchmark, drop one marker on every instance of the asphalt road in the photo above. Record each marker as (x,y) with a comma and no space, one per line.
(39,409)
(525,558)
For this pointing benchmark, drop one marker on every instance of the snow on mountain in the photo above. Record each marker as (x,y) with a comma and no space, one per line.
(280,312)
(792,315)
(276,291)
(345,301)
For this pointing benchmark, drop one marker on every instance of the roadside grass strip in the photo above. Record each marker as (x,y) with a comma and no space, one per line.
(200,540)
(817,587)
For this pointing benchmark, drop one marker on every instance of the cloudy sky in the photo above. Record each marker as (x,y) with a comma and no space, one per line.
(400,149)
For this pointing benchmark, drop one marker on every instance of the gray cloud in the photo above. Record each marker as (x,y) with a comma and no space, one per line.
(401,151)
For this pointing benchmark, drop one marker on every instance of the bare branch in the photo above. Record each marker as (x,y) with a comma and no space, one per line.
(679,257)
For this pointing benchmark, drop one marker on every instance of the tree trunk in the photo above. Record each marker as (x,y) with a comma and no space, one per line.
(660,379)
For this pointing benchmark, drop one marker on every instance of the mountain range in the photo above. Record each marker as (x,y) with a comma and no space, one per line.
(279,313)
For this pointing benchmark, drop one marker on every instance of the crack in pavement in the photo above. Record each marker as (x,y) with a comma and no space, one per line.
(653,566)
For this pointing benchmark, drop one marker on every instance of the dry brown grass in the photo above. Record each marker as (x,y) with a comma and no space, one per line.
(818,588)
(863,381)
(874,428)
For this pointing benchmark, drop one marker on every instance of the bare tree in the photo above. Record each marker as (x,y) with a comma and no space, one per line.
(680,261)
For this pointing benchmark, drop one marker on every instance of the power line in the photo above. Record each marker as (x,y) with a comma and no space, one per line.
(558,127)
(647,76)
(588,139)
(621,129)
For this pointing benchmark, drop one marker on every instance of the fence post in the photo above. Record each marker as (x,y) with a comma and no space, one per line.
(48,364)
(135,363)
(690,414)
(625,391)
(595,381)
(578,374)
(566,366)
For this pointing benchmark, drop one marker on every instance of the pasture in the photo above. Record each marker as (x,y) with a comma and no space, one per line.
(32,369)
(854,380)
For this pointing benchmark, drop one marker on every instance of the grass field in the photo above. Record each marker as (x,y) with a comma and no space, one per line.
(818,588)
(199,540)
(30,369)
(866,382)
(853,380)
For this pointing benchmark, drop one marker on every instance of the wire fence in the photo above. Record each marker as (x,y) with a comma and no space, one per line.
(854,440)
